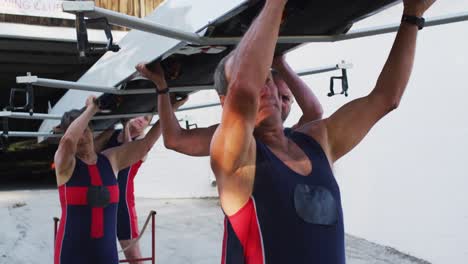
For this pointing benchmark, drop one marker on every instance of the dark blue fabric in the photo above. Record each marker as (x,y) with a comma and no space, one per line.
(113,140)
(288,131)
(287,238)
(124,231)
(234,250)
(123,214)
(78,246)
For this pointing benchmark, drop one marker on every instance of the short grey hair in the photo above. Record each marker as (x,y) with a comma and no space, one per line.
(219,78)
(68,118)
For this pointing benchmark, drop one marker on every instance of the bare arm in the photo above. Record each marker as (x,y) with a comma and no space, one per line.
(348,126)
(129,153)
(193,142)
(127,137)
(311,108)
(101,140)
(246,72)
(64,158)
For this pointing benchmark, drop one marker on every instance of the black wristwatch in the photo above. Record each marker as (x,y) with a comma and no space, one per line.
(163,91)
(414,20)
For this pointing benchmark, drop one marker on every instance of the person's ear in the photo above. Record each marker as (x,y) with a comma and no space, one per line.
(227,68)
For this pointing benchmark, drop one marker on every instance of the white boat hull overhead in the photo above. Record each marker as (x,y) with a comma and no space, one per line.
(194,64)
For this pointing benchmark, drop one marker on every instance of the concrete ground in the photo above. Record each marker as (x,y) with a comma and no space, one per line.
(187,231)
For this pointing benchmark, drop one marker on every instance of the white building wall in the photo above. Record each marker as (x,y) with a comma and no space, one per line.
(168,174)
(405,184)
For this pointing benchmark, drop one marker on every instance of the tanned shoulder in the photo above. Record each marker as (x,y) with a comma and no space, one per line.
(318,131)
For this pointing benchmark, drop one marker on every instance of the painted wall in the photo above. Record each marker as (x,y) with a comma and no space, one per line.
(169,174)
(405,184)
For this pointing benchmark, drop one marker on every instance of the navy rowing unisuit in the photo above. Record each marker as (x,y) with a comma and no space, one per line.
(127,220)
(290,218)
(87,231)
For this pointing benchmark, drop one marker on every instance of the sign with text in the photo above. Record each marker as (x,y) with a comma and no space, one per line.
(38,8)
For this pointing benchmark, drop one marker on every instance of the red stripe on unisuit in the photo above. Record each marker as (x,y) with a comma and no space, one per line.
(114,193)
(79,195)
(130,199)
(97,222)
(63,221)
(95,175)
(245,225)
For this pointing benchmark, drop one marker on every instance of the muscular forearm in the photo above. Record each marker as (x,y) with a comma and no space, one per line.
(152,136)
(131,152)
(306,99)
(192,142)
(171,129)
(397,70)
(356,118)
(254,55)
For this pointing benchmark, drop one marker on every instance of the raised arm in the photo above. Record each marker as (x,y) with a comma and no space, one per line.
(348,126)
(127,137)
(246,72)
(193,142)
(129,153)
(64,158)
(311,108)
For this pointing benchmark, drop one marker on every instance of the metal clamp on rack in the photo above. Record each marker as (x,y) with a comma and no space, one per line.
(83,45)
(343,66)
(189,126)
(29,98)
(344,84)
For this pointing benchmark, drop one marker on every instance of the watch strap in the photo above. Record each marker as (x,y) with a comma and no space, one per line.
(414,20)
(163,91)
